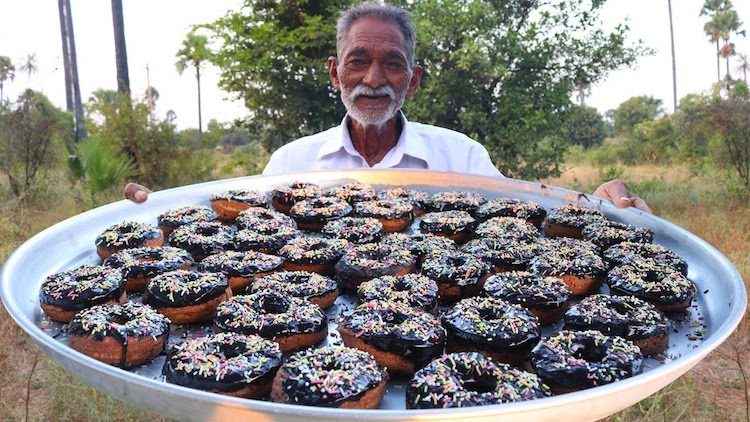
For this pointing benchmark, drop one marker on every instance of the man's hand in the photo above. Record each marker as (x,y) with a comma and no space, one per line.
(136,192)
(617,192)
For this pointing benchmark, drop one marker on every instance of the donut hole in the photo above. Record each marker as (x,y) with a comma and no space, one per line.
(489,314)
(118,319)
(481,385)
(207,231)
(272,304)
(401,286)
(620,308)
(588,353)
(455,261)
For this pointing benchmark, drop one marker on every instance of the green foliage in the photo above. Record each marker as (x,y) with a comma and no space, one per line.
(194,52)
(100,165)
(615,152)
(654,141)
(273,57)
(728,120)
(250,159)
(634,111)
(7,72)
(584,126)
(32,133)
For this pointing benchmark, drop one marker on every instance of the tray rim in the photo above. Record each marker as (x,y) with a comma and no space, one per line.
(678,366)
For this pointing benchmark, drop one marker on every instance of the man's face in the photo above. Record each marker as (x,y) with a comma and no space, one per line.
(373,73)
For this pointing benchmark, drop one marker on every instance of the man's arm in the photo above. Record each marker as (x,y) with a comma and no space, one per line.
(617,192)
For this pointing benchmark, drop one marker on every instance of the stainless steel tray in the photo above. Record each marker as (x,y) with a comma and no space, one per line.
(716,313)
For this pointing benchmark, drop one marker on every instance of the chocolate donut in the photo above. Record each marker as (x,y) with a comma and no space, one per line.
(395,215)
(371,260)
(512,207)
(499,329)
(546,297)
(314,254)
(263,219)
(606,233)
(417,198)
(64,294)
(313,214)
(354,229)
(568,220)
(316,288)
(401,338)
(292,322)
(241,267)
(172,219)
(502,254)
(415,290)
(507,228)
(267,239)
(341,377)
(352,192)
(455,225)
(575,360)
(130,234)
(187,297)
(123,335)
(203,238)
(582,270)
(457,274)
(667,289)
(455,200)
(284,197)
(624,316)
(138,266)
(233,364)
(229,204)
(629,252)
(466,379)
(419,244)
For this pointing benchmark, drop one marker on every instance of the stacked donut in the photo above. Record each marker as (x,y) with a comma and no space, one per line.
(456,299)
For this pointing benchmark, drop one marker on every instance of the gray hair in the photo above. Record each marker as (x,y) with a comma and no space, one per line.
(380,10)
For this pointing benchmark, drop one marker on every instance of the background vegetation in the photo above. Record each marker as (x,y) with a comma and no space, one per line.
(502,72)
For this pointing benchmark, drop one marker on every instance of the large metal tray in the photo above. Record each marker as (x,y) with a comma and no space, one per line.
(716,313)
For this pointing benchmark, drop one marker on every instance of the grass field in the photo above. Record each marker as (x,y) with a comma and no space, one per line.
(32,388)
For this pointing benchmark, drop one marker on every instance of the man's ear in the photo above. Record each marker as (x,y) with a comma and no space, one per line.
(416,77)
(333,72)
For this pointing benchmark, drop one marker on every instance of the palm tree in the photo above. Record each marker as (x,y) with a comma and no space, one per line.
(728,23)
(29,66)
(7,72)
(743,66)
(72,88)
(674,59)
(194,53)
(121,54)
(710,8)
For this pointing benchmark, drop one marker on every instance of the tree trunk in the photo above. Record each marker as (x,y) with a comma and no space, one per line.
(718,63)
(121,55)
(200,117)
(70,63)
(674,60)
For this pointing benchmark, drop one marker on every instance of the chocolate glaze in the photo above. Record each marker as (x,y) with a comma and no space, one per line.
(186,215)
(130,319)
(250,197)
(270,315)
(320,209)
(265,238)
(508,228)
(354,229)
(300,284)
(256,218)
(455,200)
(416,290)
(372,260)
(297,191)
(82,288)
(624,316)
(418,198)
(313,250)
(574,215)
(130,234)
(180,288)
(606,233)
(330,376)
(203,238)
(583,359)
(148,261)
(658,284)
(528,289)
(223,362)
(471,379)
(454,267)
(447,222)
(509,254)
(510,207)
(390,209)
(420,244)
(569,262)
(240,263)
(353,192)
(628,252)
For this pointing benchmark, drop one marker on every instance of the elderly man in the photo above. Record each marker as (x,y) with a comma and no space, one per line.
(375,71)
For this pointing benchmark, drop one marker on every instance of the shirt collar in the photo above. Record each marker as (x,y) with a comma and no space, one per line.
(410,144)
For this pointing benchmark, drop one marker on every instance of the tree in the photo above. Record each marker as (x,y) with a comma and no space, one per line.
(674,59)
(728,121)
(30,130)
(72,87)
(711,28)
(634,111)
(29,65)
(121,53)
(727,22)
(272,56)
(195,53)
(743,65)
(7,72)
(584,126)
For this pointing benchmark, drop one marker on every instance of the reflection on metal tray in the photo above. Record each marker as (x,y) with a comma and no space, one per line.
(711,319)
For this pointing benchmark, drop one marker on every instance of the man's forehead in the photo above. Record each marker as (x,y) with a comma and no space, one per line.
(372,33)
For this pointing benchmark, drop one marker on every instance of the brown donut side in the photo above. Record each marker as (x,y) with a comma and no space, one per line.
(558,230)
(202,312)
(326,268)
(581,285)
(394,363)
(110,350)
(58,314)
(228,210)
(371,399)
(301,341)
(105,253)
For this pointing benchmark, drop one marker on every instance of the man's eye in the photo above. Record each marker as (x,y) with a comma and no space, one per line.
(395,65)
(357,62)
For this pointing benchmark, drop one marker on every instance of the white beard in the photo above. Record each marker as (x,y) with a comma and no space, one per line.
(372,117)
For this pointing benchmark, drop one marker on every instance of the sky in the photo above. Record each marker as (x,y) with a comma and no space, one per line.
(155,29)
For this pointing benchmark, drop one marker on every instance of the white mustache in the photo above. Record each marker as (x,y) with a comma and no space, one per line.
(363,90)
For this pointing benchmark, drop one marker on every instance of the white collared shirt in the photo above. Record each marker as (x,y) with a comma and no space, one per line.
(419,147)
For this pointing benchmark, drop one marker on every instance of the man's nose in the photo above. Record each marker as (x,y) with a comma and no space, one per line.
(374,76)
